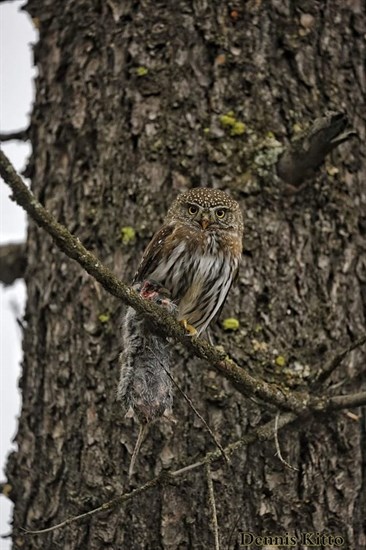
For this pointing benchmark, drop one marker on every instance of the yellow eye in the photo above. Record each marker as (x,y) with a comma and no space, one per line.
(192,209)
(220,214)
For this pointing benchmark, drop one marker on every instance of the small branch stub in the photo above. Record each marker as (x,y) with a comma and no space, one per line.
(307,151)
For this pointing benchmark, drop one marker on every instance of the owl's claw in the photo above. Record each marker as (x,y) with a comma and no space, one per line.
(189,328)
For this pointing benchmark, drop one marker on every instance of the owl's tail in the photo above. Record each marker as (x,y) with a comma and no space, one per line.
(140,437)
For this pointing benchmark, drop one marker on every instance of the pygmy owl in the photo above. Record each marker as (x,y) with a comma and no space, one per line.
(196,254)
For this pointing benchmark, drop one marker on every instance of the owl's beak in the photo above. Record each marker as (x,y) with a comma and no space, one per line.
(205,220)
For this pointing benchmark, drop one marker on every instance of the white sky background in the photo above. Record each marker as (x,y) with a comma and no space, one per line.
(17,34)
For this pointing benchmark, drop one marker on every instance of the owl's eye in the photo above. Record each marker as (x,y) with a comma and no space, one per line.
(220,214)
(192,209)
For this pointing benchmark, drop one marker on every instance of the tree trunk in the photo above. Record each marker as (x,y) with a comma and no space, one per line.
(135,103)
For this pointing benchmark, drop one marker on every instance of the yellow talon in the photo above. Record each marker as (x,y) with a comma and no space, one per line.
(189,328)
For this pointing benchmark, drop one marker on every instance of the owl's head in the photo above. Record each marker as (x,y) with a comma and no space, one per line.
(207,209)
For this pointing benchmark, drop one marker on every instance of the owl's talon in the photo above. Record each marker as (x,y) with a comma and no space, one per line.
(189,328)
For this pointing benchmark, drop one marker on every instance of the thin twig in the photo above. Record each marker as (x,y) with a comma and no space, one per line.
(140,437)
(120,499)
(351,415)
(212,503)
(277,443)
(196,412)
(322,374)
(187,468)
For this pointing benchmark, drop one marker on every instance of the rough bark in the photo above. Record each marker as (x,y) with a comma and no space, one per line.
(135,103)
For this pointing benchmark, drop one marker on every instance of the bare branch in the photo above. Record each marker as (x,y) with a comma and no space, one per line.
(212,503)
(12,262)
(277,443)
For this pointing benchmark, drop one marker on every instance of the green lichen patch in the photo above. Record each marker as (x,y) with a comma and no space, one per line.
(230,324)
(238,129)
(280,361)
(103,318)
(128,235)
(142,71)
(229,122)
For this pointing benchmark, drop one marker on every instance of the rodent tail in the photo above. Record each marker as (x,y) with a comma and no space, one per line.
(140,437)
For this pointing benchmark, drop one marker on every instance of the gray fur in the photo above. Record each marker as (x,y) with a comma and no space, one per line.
(145,387)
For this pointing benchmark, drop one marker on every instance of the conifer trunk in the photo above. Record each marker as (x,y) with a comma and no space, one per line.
(135,103)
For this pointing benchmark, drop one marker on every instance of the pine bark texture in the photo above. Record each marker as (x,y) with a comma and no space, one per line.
(132,106)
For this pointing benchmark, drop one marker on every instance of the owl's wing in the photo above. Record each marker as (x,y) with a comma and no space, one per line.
(152,255)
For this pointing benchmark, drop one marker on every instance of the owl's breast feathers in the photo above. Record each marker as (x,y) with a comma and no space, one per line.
(196,268)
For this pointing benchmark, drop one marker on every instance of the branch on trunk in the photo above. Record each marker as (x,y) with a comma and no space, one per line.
(280,396)
(20,135)
(307,152)
(13,262)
